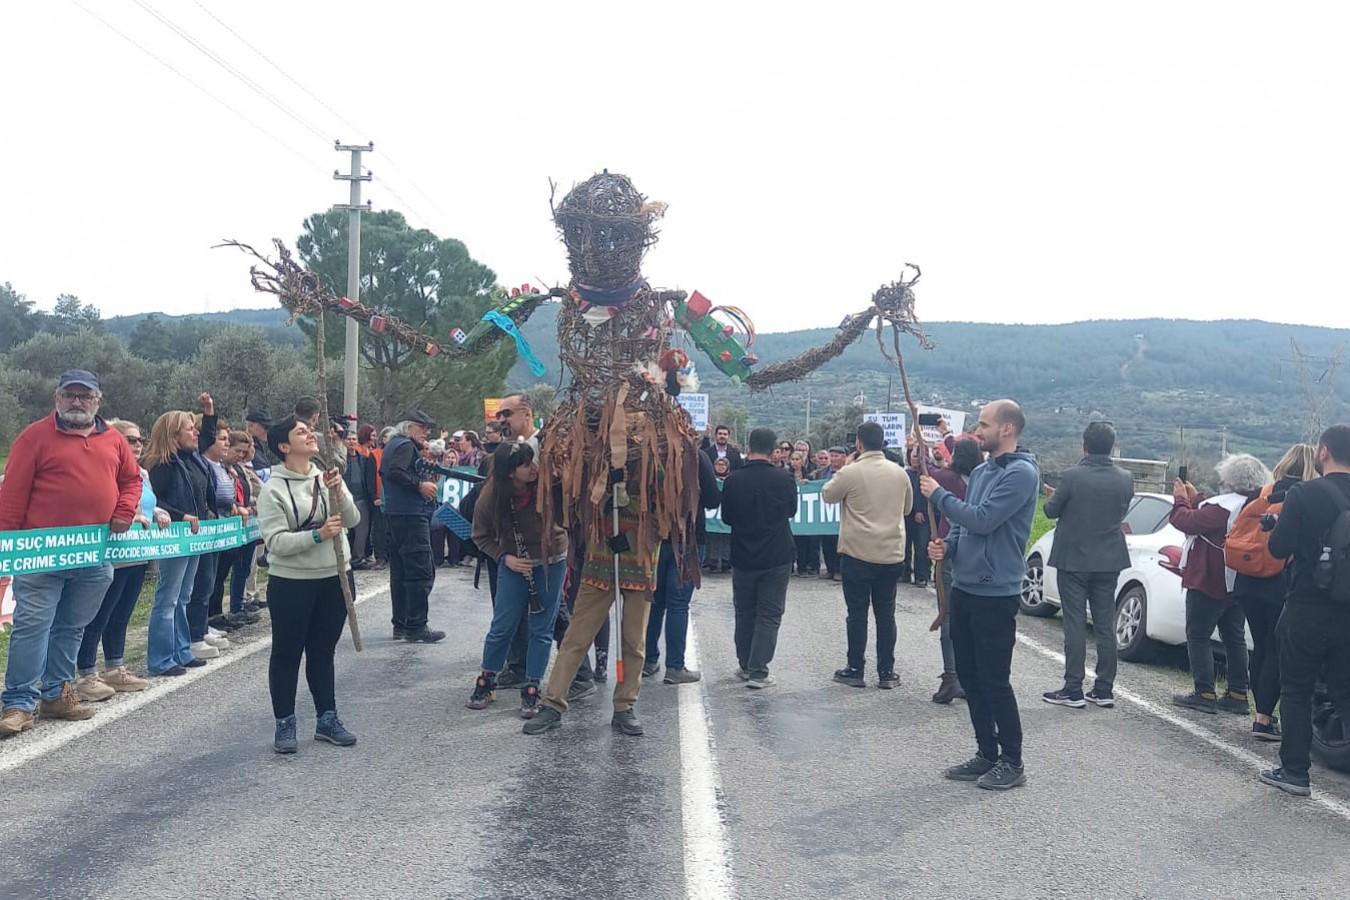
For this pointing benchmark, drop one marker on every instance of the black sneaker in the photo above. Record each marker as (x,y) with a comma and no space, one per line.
(970,770)
(221,623)
(1268,733)
(509,678)
(171,672)
(1063,697)
(1101,697)
(1285,782)
(195,663)
(284,741)
(330,728)
(650,668)
(1238,705)
(529,700)
(1197,702)
(580,690)
(243,619)
(251,607)
(400,632)
(627,722)
(547,720)
(887,680)
(851,677)
(423,635)
(1004,776)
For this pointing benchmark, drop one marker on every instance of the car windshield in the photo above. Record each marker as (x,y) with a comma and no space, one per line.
(1146,516)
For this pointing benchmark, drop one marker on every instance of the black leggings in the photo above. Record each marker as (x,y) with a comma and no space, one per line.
(307,619)
(1263,613)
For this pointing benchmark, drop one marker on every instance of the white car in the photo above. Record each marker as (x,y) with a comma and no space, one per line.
(1150,604)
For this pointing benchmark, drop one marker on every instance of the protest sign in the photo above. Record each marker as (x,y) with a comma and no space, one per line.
(54,549)
(697,406)
(892,423)
(956,421)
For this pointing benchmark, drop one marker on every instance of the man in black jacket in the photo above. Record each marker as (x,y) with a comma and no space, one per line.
(674,590)
(409,501)
(1089,553)
(759,502)
(721,447)
(1314,629)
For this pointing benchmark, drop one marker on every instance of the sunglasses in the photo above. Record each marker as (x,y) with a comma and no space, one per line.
(135,440)
(506,413)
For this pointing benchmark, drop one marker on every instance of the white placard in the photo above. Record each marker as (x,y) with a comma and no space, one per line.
(892,423)
(697,405)
(956,421)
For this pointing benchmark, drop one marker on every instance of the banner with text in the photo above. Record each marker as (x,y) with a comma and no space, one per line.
(55,549)
(697,406)
(891,423)
(814,515)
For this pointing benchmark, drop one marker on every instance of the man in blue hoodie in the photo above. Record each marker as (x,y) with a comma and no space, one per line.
(986,544)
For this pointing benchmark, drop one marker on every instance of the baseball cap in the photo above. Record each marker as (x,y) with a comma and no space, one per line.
(457,435)
(80,377)
(259,416)
(837,450)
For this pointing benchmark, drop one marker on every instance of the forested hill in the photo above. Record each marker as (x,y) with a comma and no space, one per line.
(1151,377)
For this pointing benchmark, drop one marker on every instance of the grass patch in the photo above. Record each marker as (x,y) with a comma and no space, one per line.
(137,631)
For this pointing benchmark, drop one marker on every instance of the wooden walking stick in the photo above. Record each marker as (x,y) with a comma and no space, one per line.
(922,446)
(335,495)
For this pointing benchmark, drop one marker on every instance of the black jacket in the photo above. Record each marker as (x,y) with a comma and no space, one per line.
(1090,503)
(360,476)
(1310,509)
(733,456)
(398,473)
(759,502)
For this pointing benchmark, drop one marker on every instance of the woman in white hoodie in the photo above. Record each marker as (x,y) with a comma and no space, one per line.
(303,591)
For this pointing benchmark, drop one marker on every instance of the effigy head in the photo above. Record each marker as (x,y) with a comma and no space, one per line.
(607,227)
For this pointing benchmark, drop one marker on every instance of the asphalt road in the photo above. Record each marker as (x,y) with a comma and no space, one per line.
(810,789)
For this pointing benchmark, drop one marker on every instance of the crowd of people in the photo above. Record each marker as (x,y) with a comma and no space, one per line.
(1270,551)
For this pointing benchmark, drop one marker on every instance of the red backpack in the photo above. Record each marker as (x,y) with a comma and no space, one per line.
(1247,549)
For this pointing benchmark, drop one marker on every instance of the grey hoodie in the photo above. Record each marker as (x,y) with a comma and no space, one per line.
(990,528)
(288,526)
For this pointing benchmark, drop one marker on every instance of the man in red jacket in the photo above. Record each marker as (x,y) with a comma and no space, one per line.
(65,470)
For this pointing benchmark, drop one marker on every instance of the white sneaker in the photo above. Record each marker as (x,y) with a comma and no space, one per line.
(760,684)
(203,650)
(219,641)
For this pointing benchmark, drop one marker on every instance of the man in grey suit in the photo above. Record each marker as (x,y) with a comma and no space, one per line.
(1089,553)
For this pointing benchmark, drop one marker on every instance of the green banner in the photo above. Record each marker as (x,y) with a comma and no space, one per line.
(54,549)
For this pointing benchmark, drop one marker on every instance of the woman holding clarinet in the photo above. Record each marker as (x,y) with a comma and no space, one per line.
(531,558)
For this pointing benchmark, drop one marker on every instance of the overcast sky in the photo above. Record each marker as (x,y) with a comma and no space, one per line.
(1042,162)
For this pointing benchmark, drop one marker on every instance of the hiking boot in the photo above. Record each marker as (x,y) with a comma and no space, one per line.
(203,650)
(851,677)
(1004,776)
(400,632)
(1238,704)
(1063,697)
(627,722)
(547,720)
(285,741)
(329,728)
(650,668)
(1101,697)
(580,690)
(1268,733)
(681,676)
(67,706)
(972,769)
(122,681)
(1287,783)
(763,681)
(1205,703)
(15,720)
(509,678)
(91,690)
(887,680)
(949,689)
(484,692)
(529,700)
(423,635)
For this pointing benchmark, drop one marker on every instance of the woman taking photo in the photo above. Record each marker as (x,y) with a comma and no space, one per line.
(303,592)
(110,624)
(531,559)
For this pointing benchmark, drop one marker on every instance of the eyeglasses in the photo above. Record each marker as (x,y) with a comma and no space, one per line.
(135,441)
(77,398)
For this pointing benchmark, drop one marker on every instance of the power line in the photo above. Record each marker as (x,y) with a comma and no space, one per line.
(150,53)
(241,77)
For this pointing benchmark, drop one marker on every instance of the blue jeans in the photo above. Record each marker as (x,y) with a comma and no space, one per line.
(110,624)
(513,601)
(670,606)
(50,612)
(199,606)
(170,643)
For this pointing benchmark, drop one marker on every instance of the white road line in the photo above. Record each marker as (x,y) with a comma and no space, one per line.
(22,749)
(1252,760)
(707,859)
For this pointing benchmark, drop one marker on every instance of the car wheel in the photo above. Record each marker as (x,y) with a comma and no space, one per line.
(1331,735)
(1132,640)
(1032,600)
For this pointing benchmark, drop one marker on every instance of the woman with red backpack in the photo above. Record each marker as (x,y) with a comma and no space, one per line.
(1262,582)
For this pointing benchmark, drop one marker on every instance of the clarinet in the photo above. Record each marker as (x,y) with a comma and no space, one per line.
(536,608)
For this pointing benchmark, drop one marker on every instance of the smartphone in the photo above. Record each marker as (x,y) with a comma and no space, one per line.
(1183,473)
(850,439)
(930,419)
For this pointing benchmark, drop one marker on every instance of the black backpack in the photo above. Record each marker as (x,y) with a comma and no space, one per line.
(1332,572)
